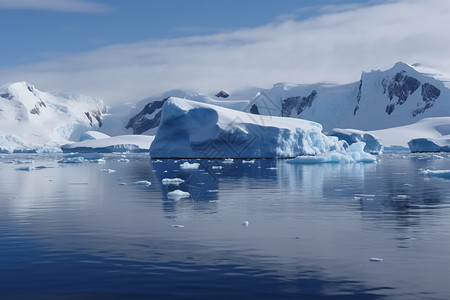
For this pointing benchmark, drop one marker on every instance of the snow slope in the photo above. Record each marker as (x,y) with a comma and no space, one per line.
(32,120)
(432,128)
(191,129)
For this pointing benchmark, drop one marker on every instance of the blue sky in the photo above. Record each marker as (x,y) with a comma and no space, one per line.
(126,50)
(44,29)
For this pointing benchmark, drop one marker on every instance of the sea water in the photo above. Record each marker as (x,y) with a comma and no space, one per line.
(262,229)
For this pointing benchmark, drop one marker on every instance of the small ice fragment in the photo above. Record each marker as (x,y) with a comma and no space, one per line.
(376,259)
(216,167)
(123,183)
(108,170)
(188,166)
(365,195)
(272,168)
(212,191)
(175,181)
(143,183)
(28,168)
(435,173)
(251,161)
(177,195)
(177,226)
(228,161)
(401,197)
(125,160)
(245,223)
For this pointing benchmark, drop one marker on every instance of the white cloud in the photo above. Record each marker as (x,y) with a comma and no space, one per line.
(334,47)
(77,6)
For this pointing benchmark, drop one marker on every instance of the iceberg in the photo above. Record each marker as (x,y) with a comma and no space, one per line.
(191,129)
(177,195)
(430,144)
(121,143)
(351,136)
(174,181)
(353,154)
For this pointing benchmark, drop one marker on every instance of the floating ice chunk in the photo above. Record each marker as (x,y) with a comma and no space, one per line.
(72,160)
(376,259)
(228,161)
(125,160)
(252,161)
(83,157)
(176,181)
(188,166)
(177,195)
(217,167)
(123,183)
(177,226)
(143,183)
(435,173)
(108,170)
(245,223)
(401,197)
(354,153)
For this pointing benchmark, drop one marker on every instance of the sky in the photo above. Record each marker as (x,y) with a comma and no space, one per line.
(126,50)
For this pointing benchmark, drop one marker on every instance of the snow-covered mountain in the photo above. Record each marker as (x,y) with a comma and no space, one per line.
(32,120)
(380,99)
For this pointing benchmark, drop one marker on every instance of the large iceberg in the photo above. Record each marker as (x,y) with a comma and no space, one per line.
(372,143)
(191,129)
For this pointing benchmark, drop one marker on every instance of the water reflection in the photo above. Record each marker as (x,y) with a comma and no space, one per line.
(312,229)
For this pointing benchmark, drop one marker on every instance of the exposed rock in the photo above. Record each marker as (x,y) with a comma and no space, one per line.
(222,94)
(148,118)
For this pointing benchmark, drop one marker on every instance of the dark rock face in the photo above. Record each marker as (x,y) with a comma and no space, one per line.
(36,110)
(7,96)
(358,97)
(94,115)
(390,108)
(254,109)
(289,104)
(141,122)
(429,94)
(401,86)
(222,94)
(297,103)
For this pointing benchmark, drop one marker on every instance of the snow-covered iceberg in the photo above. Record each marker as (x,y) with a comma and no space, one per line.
(121,143)
(372,143)
(430,144)
(191,129)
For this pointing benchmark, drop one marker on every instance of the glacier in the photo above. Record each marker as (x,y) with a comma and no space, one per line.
(35,121)
(191,129)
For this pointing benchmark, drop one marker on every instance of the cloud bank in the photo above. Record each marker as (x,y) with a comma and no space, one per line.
(332,47)
(75,6)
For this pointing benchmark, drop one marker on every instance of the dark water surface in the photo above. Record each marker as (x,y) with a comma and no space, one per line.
(75,231)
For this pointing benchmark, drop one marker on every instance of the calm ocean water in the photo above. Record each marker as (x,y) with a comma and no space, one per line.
(345,231)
